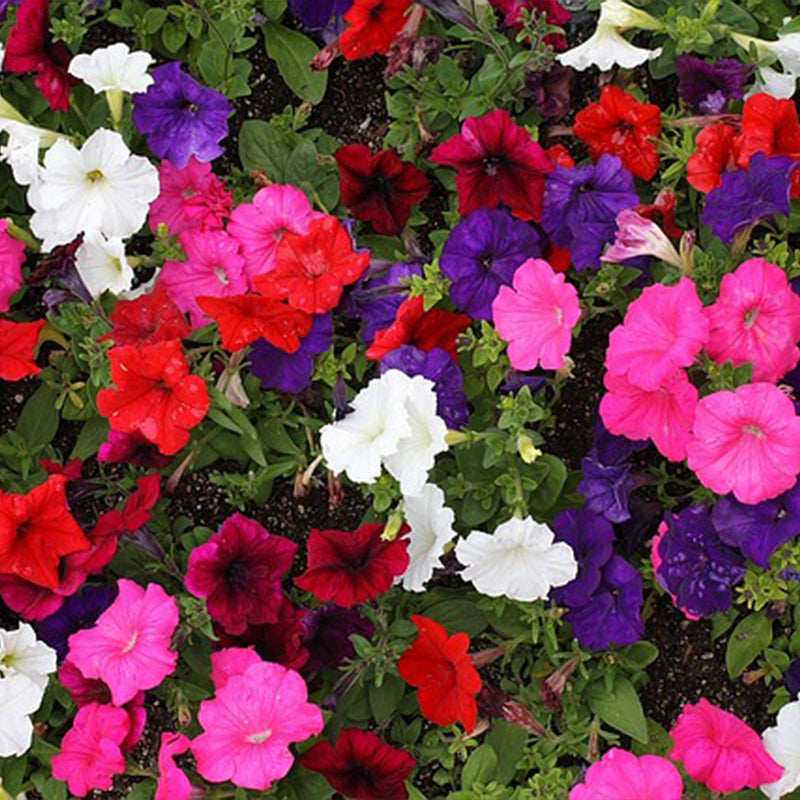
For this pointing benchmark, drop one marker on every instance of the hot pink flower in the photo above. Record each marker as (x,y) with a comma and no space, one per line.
(12,257)
(664,329)
(259,226)
(664,415)
(756,318)
(230,662)
(747,442)
(91,753)
(129,646)
(250,724)
(213,268)
(537,316)
(720,750)
(620,774)
(172,781)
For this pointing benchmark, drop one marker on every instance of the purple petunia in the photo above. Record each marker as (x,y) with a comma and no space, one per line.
(180,117)
(708,88)
(326,635)
(482,254)
(607,487)
(315,15)
(792,678)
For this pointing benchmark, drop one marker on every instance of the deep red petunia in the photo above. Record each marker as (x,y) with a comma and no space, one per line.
(30,48)
(351,567)
(380,188)
(372,26)
(424,329)
(36,530)
(239,573)
(17,343)
(717,149)
(362,766)
(622,126)
(497,162)
(663,212)
(155,395)
(442,671)
(71,470)
(148,319)
(312,270)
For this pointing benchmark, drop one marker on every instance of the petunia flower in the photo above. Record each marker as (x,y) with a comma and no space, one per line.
(781,743)
(372,27)
(747,442)
(103,266)
(131,448)
(720,751)
(129,646)
(638,236)
(113,68)
(716,152)
(351,567)
(786,49)
(21,653)
(360,765)
(173,784)
(708,88)
(519,560)
(551,10)
(607,487)
(19,697)
(12,257)
(497,162)
(316,15)
(18,341)
(327,632)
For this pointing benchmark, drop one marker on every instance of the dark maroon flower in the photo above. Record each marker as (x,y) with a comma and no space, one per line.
(326,635)
(131,448)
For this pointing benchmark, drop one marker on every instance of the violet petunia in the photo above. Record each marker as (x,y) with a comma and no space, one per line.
(607,487)
(708,88)
(326,635)
(315,15)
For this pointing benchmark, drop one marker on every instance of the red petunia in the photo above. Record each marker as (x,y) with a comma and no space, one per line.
(155,395)
(379,188)
(36,529)
(497,162)
(247,317)
(561,156)
(372,26)
(351,567)
(148,319)
(717,150)
(30,48)
(442,671)
(71,470)
(312,270)
(663,212)
(17,343)
(362,766)
(424,329)
(622,126)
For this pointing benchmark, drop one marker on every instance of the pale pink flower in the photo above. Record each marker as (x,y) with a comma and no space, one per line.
(756,318)
(230,662)
(250,724)
(129,646)
(214,267)
(746,442)
(172,781)
(259,226)
(664,415)
(536,316)
(664,329)
(720,750)
(620,775)
(12,257)
(638,236)
(91,753)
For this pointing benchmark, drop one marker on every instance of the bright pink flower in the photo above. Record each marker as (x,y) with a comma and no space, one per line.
(91,751)
(620,774)
(536,316)
(720,750)
(259,226)
(756,318)
(213,268)
(663,329)
(12,257)
(129,646)
(664,415)
(230,662)
(747,442)
(172,781)
(250,724)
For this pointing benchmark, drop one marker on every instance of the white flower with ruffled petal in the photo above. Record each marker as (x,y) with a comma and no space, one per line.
(782,742)
(113,68)
(103,266)
(21,653)
(19,697)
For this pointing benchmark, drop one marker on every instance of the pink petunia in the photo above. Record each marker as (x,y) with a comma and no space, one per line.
(172,781)
(664,329)
(756,318)
(746,442)
(214,267)
(230,663)
(720,750)
(259,226)
(251,722)
(619,775)
(664,415)
(129,646)
(12,257)
(536,316)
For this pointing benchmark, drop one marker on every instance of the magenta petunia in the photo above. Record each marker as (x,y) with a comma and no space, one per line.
(12,256)
(230,662)
(173,784)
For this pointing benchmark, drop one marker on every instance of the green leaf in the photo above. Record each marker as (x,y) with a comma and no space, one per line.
(38,421)
(92,435)
(153,19)
(618,706)
(292,52)
(480,766)
(508,742)
(749,639)
(173,34)
(263,147)
(458,616)
(640,654)
(385,699)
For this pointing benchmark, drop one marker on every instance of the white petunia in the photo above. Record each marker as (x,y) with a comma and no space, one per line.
(21,653)
(782,742)
(19,697)
(99,189)
(431,523)
(519,560)
(781,85)
(113,68)
(103,266)
(786,48)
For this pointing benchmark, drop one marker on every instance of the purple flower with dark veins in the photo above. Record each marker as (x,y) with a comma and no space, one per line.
(708,88)
(607,488)
(326,636)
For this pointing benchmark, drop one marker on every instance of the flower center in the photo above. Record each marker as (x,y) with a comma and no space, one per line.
(221,275)
(753,430)
(95,176)
(559,316)
(492,164)
(315,264)
(750,317)
(189,106)
(260,738)
(622,131)
(236,574)
(131,643)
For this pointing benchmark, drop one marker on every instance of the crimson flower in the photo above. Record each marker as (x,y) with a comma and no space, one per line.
(30,48)
(372,26)
(379,188)
(17,343)
(312,270)
(155,395)
(361,766)
(622,126)
(426,330)
(442,671)
(717,151)
(36,529)
(148,319)
(351,567)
